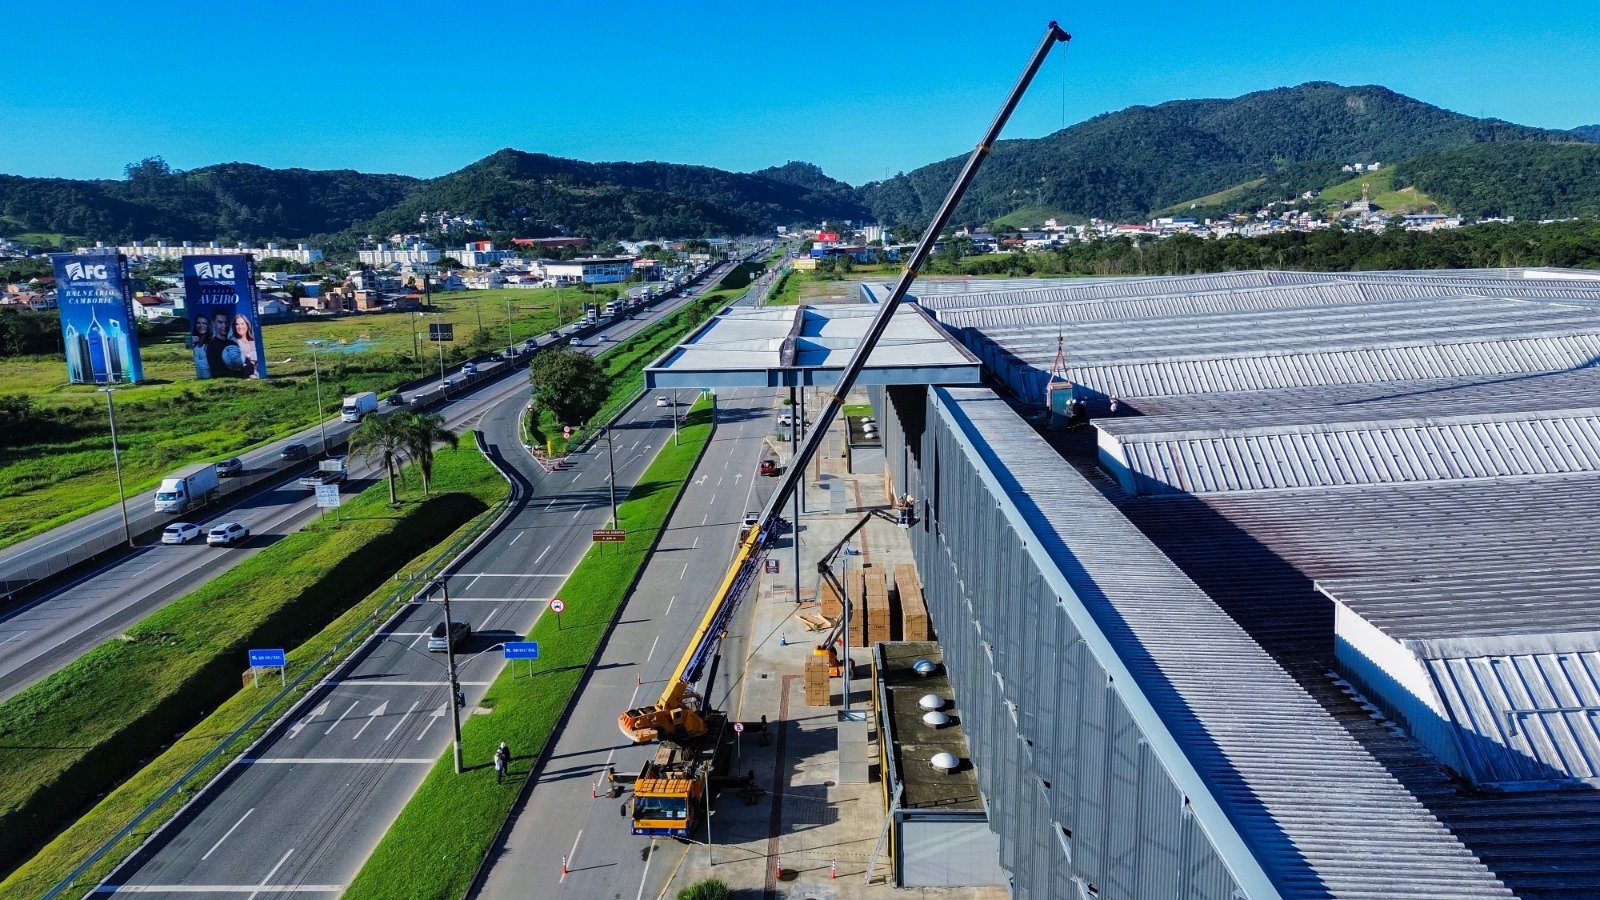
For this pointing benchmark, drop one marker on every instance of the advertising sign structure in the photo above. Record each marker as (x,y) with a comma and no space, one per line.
(224,332)
(97,328)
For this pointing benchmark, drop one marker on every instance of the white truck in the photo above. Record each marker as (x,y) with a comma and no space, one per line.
(186,489)
(358,405)
(329,471)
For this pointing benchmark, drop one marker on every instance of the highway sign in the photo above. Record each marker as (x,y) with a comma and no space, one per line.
(557,605)
(615,535)
(441,331)
(328,496)
(268,659)
(522,650)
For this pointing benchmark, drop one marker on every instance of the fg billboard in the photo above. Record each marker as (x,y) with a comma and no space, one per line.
(224,333)
(97,318)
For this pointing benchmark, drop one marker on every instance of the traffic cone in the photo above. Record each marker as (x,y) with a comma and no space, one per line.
(833,871)
(777,867)
(563,867)
(594,791)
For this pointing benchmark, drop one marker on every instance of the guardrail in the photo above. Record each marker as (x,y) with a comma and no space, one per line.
(331,661)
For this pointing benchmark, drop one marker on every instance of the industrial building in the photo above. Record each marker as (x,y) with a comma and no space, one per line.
(1269,584)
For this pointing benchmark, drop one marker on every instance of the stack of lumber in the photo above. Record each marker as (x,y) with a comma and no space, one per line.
(832,606)
(877,606)
(913,609)
(856,588)
(818,692)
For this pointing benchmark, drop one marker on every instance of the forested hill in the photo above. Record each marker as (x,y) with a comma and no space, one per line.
(231,201)
(1125,164)
(1588,132)
(534,193)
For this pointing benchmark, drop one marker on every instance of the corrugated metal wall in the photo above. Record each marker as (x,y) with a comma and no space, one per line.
(1076,796)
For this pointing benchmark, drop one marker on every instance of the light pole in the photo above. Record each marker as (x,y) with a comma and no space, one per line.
(450,667)
(510,341)
(611,464)
(674,417)
(116,459)
(316,373)
(416,342)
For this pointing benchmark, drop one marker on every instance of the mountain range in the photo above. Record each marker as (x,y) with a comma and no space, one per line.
(1207,156)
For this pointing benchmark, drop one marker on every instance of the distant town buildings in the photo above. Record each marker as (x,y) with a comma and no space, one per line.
(301,253)
(384,255)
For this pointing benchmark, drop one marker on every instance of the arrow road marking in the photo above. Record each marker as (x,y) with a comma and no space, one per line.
(382,708)
(436,716)
(295,731)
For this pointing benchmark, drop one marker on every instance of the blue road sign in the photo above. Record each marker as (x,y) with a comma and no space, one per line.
(522,650)
(268,659)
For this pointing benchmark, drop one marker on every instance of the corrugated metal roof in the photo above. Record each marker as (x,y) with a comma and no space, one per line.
(1349,453)
(1294,780)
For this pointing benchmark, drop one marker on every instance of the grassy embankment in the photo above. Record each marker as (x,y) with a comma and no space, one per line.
(57,461)
(86,729)
(436,844)
(624,362)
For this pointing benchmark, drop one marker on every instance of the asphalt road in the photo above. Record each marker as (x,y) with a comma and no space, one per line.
(45,633)
(559,817)
(305,808)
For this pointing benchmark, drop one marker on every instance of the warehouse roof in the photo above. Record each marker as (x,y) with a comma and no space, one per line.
(774,346)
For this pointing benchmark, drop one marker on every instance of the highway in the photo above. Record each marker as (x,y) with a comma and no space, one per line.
(558,817)
(43,634)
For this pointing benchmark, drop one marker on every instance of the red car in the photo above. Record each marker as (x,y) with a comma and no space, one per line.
(768,467)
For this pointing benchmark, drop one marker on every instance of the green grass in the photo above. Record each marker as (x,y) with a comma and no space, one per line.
(1226,195)
(1381,190)
(1029,217)
(435,845)
(63,468)
(858,409)
(87,728)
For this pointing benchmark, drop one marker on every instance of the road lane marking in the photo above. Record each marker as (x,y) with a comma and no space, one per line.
(380,681)
(404,633)
(551,503)
(652,652)
(704,518)
(295,731)
(669,605)
(341,718)
(684,572)
(414,705)
(219,888)
(268,880)
(572,856)
(645,874)
(696,544)
(486,619)
(371,717)
(227,834)
(541,555)
(337,760)
(517,538)
(13,637)
(436,716)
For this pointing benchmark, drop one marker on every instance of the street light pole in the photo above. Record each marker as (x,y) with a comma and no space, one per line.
(116,459)
(674,417)
(612,465)
(450,665)
(416,342)
(316,370)
(510,341)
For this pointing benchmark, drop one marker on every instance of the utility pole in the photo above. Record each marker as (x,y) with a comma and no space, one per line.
(416,342)
(611,464)
(450,665)
(510,341)
(116,459)
(316,370)
(674,417)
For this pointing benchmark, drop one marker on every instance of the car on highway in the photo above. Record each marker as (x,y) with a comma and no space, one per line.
(227,534)
(663,401)
(787,419)
(531,343)
(768,467)
(294,452)
(469,369)
(395,399)
(231,467)
(317,479)
(180,533)
(438,643)
(578,342)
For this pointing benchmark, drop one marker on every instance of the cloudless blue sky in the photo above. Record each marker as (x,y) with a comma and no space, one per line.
(422,88)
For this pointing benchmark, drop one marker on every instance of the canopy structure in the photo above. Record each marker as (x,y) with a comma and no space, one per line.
(793,346)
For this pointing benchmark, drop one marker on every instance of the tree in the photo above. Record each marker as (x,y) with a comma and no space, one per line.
(568,383)
(382,437)
(422,432)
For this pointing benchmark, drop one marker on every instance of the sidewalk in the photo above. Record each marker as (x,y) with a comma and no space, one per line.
(810,836)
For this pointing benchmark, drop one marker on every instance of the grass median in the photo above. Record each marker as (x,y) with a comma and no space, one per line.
(105,723)
(435,846)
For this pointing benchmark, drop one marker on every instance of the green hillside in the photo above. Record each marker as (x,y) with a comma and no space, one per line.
(1380,190)
(1528,181)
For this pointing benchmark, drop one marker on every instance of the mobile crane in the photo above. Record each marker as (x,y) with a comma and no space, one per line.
(670,788)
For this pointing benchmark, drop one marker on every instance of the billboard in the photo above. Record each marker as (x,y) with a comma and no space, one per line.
(97,318)
(224,333)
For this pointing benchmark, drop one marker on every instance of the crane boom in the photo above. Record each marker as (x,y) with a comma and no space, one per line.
(675,714)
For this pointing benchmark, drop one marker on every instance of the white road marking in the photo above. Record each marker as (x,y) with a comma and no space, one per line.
(414,705)
(704,518)
(684,572)
(473,581)
(712,500)
(719,479)
(574,852)
(541,555)
(336,760)
(652,648)
(437,715)
(393,682)
(268,880)
(517,538)
(219,888)
(341,718)
(486,619)
(227,834)
(295,731)
(551,503)
(696,544)
(669,605)
(499,599)
(646,873)
(403,633)
(371,717)
(521,574)
(13,637)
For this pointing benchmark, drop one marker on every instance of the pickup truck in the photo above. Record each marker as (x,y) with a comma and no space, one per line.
(329,471)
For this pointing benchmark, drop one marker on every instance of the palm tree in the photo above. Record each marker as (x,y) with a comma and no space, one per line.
(382,437)
(422,432)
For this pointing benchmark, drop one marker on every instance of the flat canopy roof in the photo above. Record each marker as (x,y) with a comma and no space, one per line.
(785,346)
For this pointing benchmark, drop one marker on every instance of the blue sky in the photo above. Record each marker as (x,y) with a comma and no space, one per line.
(423,88)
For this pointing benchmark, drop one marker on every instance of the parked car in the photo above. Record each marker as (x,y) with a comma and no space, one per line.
(180,533)
(294,452)
(459,631)
(769,467)
(663,401)
(227,534)
(230,468)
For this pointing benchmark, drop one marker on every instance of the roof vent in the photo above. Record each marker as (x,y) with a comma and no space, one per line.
(935,718)
(925,667)
(931,701)
(945,762)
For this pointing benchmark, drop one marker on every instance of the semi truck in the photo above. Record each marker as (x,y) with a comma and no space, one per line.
(186,489)
(358,405)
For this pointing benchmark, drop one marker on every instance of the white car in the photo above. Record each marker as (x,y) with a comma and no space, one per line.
(788,419)
(227,534)
(180,533)
(663,401)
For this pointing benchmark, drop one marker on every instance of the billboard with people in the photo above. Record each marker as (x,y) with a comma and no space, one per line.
(224,332)
(97,327)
